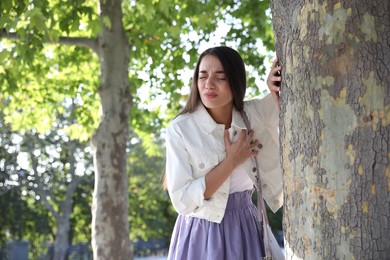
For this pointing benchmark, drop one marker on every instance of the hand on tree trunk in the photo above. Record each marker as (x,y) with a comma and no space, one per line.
(274,80)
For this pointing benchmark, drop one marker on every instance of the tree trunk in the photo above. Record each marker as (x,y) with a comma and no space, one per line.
(110,228)
(334,127)
(61,242)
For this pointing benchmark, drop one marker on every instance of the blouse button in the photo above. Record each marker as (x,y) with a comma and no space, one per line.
(235,132)
(201,165)
(260,146)
(254,169)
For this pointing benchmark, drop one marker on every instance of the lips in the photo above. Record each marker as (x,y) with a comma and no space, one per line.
(210,95)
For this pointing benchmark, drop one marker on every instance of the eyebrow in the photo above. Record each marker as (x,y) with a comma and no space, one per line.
(218,71)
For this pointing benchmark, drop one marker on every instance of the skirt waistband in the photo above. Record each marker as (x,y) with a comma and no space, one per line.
(239,200)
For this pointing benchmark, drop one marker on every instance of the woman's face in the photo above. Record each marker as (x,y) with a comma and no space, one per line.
(213,86)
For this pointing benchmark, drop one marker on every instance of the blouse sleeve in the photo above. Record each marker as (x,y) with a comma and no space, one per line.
(185,191)
(264,117)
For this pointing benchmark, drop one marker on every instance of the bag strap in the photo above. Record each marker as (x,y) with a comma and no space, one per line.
(261,210)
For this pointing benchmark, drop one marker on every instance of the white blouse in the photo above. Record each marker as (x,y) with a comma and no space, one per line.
(239,180)
(195,145)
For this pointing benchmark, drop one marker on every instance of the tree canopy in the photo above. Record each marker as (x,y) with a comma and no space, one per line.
(44,64)
(51,55)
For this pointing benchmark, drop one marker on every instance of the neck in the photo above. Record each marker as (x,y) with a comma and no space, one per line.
(222,116)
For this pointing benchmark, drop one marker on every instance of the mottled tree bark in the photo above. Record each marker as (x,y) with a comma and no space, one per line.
(110,226)
(335,127)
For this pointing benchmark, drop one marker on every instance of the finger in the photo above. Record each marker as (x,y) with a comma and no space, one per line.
(254,152)
(254,143)
(276,81)
(277,73)
(243,134)
(279,68)
(250,137)
(274,88)
(276,68)
(275,62)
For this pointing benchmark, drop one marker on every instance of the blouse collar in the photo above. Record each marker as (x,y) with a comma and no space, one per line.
(207,123)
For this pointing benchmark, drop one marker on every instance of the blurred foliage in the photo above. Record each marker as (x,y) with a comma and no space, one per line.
(151,214)
(40,78)
(22,217)
(81,218)
(36,76)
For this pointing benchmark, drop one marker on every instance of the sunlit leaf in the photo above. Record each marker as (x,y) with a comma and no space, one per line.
(37,19)
(107,22)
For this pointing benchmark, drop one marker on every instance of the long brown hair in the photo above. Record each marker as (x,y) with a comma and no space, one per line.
(234,68)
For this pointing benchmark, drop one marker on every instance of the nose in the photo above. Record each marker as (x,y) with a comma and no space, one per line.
(209,84)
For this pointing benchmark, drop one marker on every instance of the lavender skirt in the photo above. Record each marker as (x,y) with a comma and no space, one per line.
(237,237)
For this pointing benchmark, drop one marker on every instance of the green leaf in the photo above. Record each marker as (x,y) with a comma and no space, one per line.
(164,7)
(107,22)
(95,26)
(37,19)
(4,55)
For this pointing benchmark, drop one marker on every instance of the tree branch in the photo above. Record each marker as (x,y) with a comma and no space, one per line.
(76,180)
(80,41)
(5,34)
(73,41)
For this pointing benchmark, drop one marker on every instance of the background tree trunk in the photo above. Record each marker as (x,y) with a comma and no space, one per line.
(61,242)
(110,223)
(335,127)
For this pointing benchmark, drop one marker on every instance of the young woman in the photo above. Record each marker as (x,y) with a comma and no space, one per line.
(209,172)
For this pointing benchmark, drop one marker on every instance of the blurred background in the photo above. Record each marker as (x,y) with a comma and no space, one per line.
(49,111)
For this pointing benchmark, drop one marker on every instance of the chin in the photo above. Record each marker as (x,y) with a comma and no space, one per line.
(209,104)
